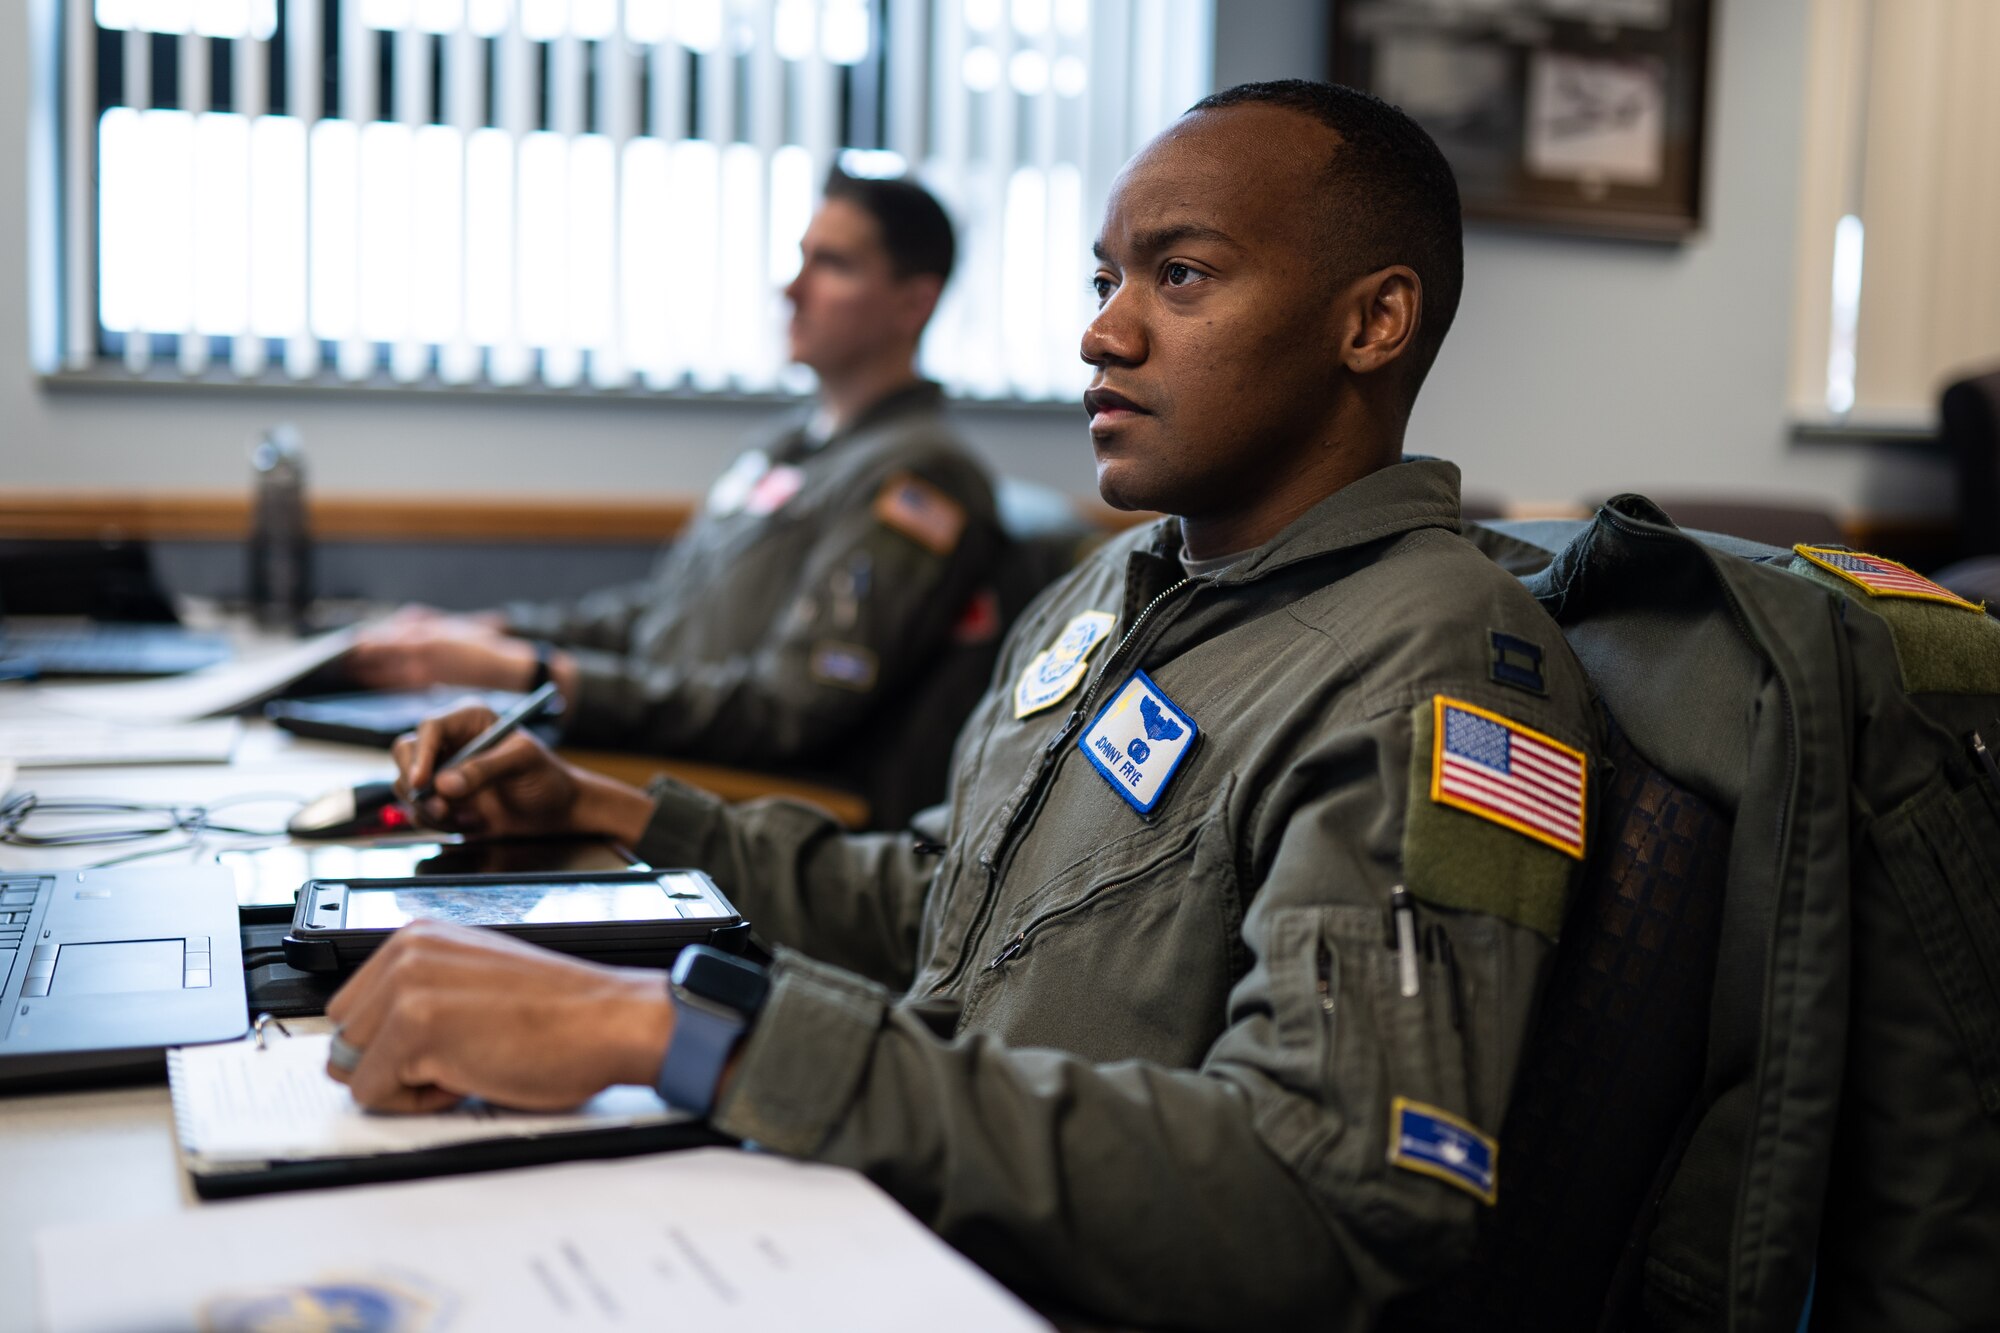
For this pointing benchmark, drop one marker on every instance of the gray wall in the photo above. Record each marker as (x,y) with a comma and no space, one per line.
(1579,368)
(1576,367)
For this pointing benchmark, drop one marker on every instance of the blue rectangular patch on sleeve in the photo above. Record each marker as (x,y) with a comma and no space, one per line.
(1436,1143)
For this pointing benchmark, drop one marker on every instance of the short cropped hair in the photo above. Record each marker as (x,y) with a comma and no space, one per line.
(1388,195)
(915,230)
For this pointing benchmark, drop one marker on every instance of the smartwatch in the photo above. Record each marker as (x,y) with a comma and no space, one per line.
(545,653)
(716,996)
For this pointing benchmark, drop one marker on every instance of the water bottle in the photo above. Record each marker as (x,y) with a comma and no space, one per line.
(280,551)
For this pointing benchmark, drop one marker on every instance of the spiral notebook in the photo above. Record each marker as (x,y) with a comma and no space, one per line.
(261,1115)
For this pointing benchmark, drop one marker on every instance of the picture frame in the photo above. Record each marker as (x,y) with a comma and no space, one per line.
(1579,116)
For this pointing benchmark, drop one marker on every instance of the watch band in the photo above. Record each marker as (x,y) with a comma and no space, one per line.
(545,653)
(715,997)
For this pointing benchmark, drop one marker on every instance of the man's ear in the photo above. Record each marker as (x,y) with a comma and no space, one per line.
(919,298)
(1381,313)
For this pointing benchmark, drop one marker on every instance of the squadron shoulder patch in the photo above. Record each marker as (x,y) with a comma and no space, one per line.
(1059,668)
(1138,741)
(921,512)
(1490,766)
(1881,578)
(1436,1143)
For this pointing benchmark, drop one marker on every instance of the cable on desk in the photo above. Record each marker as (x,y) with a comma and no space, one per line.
(193,822)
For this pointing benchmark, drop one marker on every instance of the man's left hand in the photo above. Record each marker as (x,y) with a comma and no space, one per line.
(445,1012)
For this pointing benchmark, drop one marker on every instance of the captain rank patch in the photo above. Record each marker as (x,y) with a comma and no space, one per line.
(1138,742)
(1059,668)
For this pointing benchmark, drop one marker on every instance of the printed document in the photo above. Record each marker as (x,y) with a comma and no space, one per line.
(226,687)
(715,1239)
(238,1105)
(75,742)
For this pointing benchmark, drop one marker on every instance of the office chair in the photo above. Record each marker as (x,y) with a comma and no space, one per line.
(1770,522)
(1969,427)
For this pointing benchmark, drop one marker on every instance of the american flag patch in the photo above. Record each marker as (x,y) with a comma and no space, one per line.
(921,512)
(1882,578)
(1486,765)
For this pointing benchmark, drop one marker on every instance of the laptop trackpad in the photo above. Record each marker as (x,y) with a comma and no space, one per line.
(115,969)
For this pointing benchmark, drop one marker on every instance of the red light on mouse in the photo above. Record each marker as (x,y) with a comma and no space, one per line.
(393,816)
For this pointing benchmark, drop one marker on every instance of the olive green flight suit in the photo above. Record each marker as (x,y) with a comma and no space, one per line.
(1146,1066)
(814,586)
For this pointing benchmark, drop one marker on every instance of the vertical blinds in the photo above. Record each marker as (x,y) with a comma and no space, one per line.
(583,193)
(1898,261)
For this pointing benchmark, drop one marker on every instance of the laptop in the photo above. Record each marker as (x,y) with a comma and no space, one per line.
(105,969)
(92,609)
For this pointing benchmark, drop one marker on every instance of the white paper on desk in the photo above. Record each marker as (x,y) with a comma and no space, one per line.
(239,1106)
(77,742)
(225,687)
(715,1239)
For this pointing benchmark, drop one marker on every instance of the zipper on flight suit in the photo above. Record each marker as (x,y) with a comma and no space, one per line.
(1062,736)
(1013,947)
(1090,695)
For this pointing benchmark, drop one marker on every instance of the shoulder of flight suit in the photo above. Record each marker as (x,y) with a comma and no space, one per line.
(804,621)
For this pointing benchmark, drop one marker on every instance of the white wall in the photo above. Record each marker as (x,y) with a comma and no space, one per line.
(1576,367)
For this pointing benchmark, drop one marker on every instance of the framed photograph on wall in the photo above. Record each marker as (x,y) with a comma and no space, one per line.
(1575,115)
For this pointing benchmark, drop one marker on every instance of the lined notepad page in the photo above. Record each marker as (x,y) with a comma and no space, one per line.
(238,1105)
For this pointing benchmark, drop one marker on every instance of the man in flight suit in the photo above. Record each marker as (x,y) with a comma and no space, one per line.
(826,570)
(1200,1003)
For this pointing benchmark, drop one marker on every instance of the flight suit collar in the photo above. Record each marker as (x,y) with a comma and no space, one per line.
(918,396)
(1403,497)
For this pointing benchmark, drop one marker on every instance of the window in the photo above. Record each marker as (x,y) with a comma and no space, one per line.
(579,194)
(1898,261)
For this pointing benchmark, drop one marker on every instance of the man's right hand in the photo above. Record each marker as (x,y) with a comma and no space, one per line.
(516,789)
(418,647)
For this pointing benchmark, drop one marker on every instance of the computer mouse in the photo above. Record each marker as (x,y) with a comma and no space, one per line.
(363,811)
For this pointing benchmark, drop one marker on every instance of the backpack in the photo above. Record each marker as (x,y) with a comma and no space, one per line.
(1833,1141)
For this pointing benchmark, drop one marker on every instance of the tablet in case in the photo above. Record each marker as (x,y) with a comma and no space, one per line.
(637,918)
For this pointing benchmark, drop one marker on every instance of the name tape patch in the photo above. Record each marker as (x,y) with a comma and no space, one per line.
(1138,741)
(774,490)
(1493,767)
(1059,668)
(1438,1144)
(1882,578)
(732,488)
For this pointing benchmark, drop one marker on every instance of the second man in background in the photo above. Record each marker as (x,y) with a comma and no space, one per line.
(845,562)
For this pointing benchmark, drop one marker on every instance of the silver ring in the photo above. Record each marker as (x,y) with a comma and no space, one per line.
(343,1055)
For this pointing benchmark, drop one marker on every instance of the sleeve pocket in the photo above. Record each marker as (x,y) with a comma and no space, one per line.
(1941,850)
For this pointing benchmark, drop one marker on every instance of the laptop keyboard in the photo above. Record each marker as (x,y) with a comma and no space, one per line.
(114,650)
(17,905)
